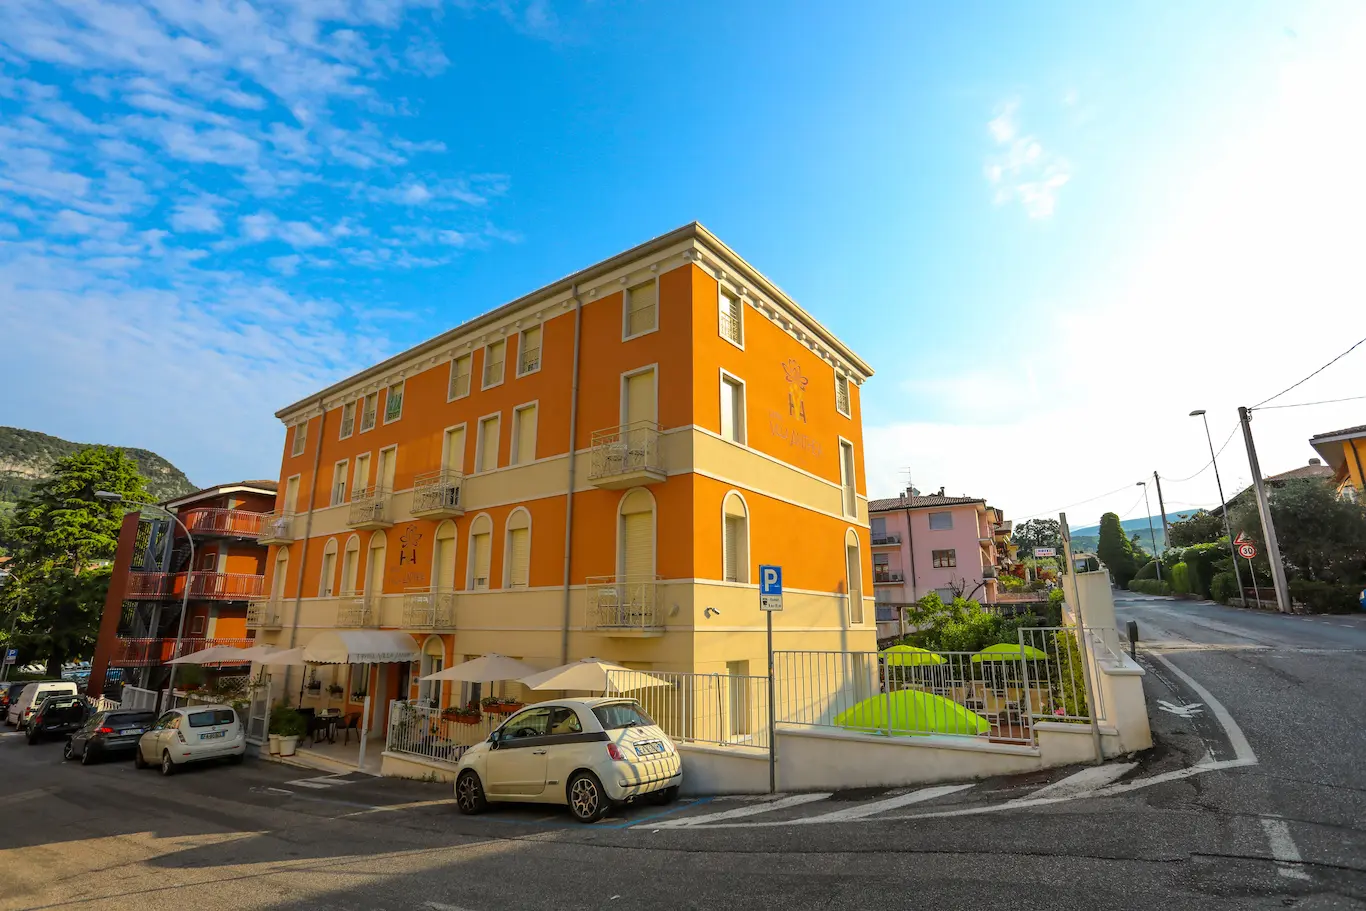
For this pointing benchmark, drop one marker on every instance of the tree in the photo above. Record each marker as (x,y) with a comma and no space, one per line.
(1200,527)
(1322,538)
(58,614)
(1037,533)
(1115,550)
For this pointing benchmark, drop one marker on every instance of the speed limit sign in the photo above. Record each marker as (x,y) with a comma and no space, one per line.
(1246,549)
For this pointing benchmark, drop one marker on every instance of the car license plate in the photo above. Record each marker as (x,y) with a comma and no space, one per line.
(649,748)
(212,735)
(126,731)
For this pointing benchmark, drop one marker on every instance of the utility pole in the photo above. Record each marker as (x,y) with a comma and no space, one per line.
(1223,504)
(1166,527)
(1273,547)
(1152,535)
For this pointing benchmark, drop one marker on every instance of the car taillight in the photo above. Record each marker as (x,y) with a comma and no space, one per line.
(37,719)
(180,735)
(105,731)
(615,752)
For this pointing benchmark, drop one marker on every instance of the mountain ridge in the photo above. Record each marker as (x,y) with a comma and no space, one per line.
(27,457)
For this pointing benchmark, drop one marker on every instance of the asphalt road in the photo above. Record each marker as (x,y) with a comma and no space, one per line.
(265,836)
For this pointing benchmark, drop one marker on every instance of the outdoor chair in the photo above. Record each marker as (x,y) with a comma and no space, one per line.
(350,722)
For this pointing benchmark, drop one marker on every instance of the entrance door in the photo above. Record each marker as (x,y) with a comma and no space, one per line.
(518,766)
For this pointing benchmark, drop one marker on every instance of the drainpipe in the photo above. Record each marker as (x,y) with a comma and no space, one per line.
(569,496)
(910,543)
(308,530)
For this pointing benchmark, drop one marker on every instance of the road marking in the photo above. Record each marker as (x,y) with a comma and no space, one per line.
(417,804)
(1289,864)
(1188,710)
(795,800)
(1088,779)
(26,795)
(872,808)
(321,783)
(439,906)
(1241,748)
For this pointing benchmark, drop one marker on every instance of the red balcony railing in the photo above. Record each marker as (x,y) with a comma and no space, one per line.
(152,652)
(204,586)
(233,523)
(148,585)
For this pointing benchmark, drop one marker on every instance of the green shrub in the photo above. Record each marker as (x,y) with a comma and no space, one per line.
(1149,571)
(1224,587)
(1326,597)
(1149,587)
(1181,579)
(286,721)
(1200,560)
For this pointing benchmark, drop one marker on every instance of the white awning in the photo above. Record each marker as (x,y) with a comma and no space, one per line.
(357,646)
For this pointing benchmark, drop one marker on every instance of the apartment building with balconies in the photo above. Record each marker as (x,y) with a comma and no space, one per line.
(153,567)
(597,468)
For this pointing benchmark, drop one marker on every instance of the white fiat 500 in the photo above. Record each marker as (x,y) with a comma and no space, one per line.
(196,733)
(585,753)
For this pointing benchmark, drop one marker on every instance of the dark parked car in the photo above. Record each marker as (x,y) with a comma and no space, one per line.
(56,716)
(9,690)
(106,734)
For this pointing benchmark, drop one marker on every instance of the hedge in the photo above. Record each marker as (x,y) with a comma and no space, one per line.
(1148,571)
(1326,597)
(1149,587)
(1199,559)
(1181,579)
(1223,587)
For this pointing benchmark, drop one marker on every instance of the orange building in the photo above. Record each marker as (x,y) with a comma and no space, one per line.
(597,468)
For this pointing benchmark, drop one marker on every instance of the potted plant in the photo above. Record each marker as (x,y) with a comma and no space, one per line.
(189,678)
(335,689)
(468,715)
(278,723)
(294,727)
(314,687)
(497,705)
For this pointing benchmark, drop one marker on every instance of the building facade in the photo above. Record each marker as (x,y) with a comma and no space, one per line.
(595,469)
(935,543)
(1345,452)
(153,566)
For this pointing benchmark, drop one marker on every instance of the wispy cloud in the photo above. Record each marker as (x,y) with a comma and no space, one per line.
(1020,168)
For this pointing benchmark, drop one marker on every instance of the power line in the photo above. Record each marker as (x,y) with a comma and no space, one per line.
(1353,398)
(1207,464)
(1310,376)
(1051,512)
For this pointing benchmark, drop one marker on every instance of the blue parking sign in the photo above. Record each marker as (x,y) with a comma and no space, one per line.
(770,588)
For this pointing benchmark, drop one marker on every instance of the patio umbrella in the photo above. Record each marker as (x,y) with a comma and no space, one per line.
(275,657)
(592,674)
(1009,651)
(211,655)
(909,656)
(911,713)
(487,667)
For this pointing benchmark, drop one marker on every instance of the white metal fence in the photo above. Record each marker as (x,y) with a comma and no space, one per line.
(135,697)
(723,709)
(1060,674)
(443,735)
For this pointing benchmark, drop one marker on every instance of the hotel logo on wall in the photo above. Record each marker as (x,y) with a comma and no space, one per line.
(796,389)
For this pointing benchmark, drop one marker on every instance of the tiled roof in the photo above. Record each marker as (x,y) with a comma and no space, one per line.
(1346,431)
(209,491)
(1304,471)
(905,502)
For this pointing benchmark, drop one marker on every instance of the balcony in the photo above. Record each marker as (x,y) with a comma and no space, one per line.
(264,614)
(225,523)
(277,528)
(528,361)
(618,607)
(888,540)
(154,652)
(428,608)
(890,577)
(626,456)
(370,509)
(988,572)
(357,611)
(148,586)
(204,586)
(436,495)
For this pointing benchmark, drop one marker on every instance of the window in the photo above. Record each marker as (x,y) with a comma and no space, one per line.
(300,438)
(453,450)
(212,718)
(360,682)
(531,723)
(361,478)
(350,566)
(640,310)
(524,435)
(518,550)
(941,521)
(879,527)
(386,469)
(290,505)
(197,625)
(842,394)
(881,562)
(486,447)
(374,563)
(854,574)
(443,557)
(735,539)
(529,351)
(393,402)
(460,378)
(731,317)
(943,559)
(564,720)
(369,406)
(329,571)
(847,477)
(433,660)
(636,537)
(493,363)
(348,420)
(732,409)
(616,715)
(481,534)
(339,483)
(946,594)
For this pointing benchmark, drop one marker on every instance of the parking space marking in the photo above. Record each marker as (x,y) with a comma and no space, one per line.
(1087,779)
(1289,863)
(873,807)
(753,809)
(321,783)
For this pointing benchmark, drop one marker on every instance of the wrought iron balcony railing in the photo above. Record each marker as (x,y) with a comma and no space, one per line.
(436,494)
(626,456)
(429,608)
(618,604)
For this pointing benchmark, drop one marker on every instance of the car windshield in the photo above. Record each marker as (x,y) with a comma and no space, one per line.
(212,717)
(130,719)
(621,715)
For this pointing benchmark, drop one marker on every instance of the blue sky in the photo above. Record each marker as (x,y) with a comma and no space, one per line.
(1052,230)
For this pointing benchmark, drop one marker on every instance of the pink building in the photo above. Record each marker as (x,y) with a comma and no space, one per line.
(952,545)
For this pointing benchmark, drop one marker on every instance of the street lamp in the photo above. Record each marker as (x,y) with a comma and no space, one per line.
(1152,535)
(109,496)
(1223,505)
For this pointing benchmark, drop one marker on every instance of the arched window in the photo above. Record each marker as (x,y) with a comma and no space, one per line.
(277,582)
(328,580)
(433,661)
(479,552)
(443,557)
(853,572)
(636,537)
(517,559)
(734,538)
(374,563)
(350,565)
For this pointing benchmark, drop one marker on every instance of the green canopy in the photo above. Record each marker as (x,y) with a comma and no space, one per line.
(1009,651)
(909,655)
(909,713)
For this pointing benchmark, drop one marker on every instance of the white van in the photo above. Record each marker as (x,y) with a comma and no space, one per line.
(32,695)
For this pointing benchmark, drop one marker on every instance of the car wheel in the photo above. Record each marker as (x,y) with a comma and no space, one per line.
(88,756)
(138,761)
(167,766)
(469,794)
(666,796)
(32,738)
(66,751)
(587,800)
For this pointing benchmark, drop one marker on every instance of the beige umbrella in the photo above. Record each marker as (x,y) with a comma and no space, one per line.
(270,657)
(487,667)
(211,655)
(592,674)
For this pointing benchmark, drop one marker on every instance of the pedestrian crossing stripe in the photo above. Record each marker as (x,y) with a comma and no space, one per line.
(321,783)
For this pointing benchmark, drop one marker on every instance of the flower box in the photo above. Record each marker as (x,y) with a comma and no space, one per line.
(503,708)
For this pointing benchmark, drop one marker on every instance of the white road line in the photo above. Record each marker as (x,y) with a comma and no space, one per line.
(872,808)
(1289,863)
(1241,748)
(795,800)
(1087,779)
(320,783)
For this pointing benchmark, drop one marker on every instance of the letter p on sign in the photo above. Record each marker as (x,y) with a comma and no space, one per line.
(770,588)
